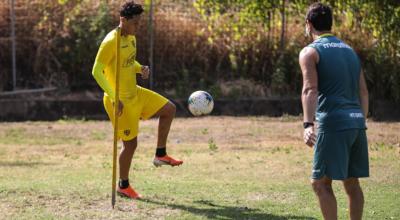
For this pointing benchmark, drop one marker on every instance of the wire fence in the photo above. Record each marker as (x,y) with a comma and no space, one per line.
(50,43)
(7,37)
(55,42)
(19,45)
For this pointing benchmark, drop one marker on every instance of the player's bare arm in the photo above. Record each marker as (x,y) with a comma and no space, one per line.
(308,60)
(364,95)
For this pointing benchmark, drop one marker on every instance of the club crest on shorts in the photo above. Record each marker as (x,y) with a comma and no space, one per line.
(127,132)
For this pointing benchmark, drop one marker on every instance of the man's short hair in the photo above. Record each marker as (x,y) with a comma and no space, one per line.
(320,16)
(130,9)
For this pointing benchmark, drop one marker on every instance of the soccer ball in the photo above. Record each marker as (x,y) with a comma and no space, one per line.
(200,103)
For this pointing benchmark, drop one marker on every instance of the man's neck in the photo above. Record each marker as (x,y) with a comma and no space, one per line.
(124,31)
(318,34)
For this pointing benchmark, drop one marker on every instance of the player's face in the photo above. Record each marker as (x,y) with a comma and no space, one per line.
(132,24)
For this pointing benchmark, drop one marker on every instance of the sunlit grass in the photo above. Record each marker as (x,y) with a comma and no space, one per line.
(235,168)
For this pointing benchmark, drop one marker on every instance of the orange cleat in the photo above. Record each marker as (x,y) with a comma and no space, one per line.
(166,160)
(129,192)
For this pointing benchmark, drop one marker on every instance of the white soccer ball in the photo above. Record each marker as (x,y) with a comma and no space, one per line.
(200,103)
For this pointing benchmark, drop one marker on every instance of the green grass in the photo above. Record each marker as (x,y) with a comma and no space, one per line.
(235,168)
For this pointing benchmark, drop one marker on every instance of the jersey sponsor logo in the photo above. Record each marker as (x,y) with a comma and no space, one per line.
(335,45)
(127,132)
(356,115)
(130,60)
(124,46)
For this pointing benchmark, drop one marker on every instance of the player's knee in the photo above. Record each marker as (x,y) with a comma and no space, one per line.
(352,187)
(168,111)
(131,144)
(321,187)
(171,109)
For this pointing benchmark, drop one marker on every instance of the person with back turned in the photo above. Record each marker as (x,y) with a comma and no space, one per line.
(335,92)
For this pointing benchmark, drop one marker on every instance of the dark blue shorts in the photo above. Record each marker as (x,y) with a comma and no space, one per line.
(341,155)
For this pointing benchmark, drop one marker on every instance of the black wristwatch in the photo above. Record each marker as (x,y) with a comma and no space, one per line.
(307,124)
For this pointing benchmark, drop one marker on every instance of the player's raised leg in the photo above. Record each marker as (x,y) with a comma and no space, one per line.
(155,105)
(166,115)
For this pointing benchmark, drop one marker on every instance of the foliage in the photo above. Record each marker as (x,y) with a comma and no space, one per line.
(85,34)
(372,27)
(202,44)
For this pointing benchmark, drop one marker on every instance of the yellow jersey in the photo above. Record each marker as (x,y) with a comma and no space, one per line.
(105,66)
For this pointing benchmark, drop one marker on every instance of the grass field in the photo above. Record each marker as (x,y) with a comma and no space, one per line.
(235,168)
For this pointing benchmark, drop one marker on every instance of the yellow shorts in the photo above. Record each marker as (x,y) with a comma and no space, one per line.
(143,106)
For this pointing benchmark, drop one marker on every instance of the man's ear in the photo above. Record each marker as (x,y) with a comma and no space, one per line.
(310,26)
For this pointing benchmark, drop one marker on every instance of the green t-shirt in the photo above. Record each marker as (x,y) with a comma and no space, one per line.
(338,86)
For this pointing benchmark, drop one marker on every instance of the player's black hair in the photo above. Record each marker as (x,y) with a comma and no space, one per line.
(320,16)
(130,9)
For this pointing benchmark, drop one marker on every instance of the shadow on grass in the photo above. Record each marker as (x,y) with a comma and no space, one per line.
(214,211)
(23,164)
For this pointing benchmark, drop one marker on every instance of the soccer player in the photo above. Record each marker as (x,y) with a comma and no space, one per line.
(335,91)
(135,102)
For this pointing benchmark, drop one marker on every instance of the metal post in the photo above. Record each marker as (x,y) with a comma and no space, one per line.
(116,117)
(283,26)
(14,65)
(151,47)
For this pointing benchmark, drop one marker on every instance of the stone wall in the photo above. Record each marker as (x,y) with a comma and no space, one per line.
(22,110)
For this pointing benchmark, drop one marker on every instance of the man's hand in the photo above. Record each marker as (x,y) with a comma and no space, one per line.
(145,72)
(309,136)
(120,108)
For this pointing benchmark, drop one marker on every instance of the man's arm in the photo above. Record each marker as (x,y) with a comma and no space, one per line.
(137,68)
(98,75)
(308,60)
(104,55)
(364,94)
(142,70)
